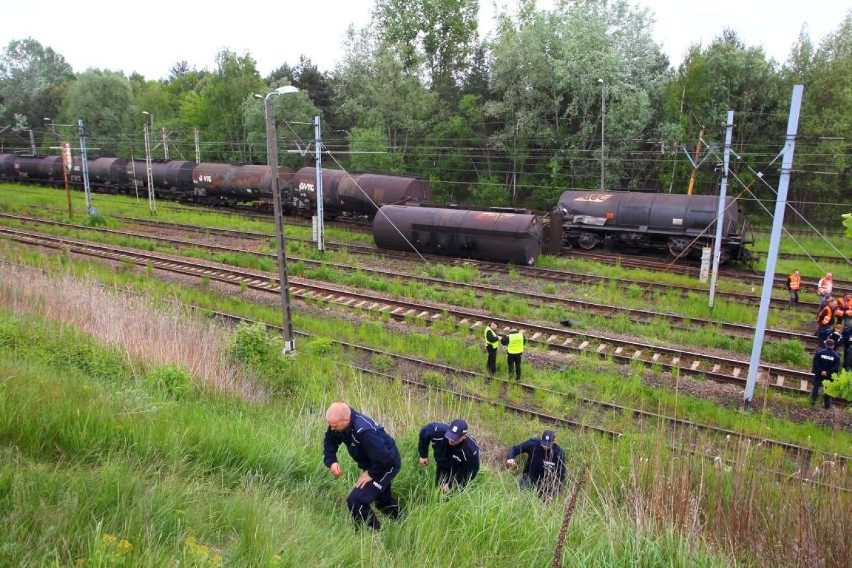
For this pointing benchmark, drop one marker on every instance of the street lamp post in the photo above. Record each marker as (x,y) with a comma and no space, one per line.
(603,125)
(272,159)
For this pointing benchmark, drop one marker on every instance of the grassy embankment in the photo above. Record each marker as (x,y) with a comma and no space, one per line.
(144,444)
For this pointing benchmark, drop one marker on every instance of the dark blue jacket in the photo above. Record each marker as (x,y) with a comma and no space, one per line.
(369,445)
(827,360)
(541,464)
(460,462)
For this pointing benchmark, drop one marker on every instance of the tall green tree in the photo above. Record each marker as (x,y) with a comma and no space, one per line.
(822,167)
(235,79)
(33,79)
(104,101)
(441,34)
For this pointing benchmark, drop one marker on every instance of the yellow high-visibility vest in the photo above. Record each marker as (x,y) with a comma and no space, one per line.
(516,343)
(492,344)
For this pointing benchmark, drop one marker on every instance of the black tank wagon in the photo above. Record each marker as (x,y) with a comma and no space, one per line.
(482,235)
(356,194)
(677,223)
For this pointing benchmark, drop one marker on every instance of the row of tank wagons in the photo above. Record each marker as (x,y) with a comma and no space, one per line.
(626,220)
(681,224)
(213,183)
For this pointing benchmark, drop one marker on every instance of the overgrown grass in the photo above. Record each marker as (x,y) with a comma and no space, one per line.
(105,467)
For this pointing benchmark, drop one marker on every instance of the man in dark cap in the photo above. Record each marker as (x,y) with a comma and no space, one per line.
(826,362)
(545,466)
(456,453)
(376,454)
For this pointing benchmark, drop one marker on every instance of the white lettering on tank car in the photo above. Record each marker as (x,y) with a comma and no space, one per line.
(594,197)
(304,186)
(205,179)
(677,221)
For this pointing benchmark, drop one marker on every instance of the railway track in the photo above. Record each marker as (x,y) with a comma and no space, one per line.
(639,316)
(458,386)
(559,340)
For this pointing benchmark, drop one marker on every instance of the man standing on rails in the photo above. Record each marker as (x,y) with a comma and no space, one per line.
(826,363)
(824,288)
(492,340)
(514,343)
(456,453)
(794,282)
(375,453)
(545,466)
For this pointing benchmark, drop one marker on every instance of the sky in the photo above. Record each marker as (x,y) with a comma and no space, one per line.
(151,36)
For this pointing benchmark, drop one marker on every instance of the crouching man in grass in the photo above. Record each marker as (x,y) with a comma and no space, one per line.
(375,452)
(545,466)
(456,453)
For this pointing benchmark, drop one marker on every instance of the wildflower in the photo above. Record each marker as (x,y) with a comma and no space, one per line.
(108,538)
(125,546)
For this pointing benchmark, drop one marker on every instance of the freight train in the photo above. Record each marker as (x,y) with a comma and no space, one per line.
(212,183)
(680,224)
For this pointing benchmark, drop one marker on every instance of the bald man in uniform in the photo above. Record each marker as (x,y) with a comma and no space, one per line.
(376,454)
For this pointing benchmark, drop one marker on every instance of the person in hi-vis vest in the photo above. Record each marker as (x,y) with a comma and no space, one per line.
(514,343)
(492,340)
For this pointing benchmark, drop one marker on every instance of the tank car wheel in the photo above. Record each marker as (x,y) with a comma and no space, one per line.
(587,241)
(678,247)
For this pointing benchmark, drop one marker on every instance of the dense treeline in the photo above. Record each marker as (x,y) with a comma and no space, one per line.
(511,119)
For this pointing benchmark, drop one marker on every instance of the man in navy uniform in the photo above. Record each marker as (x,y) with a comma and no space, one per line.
(826,363)
(492,340)
(456,453)
(545,466)
(375,453)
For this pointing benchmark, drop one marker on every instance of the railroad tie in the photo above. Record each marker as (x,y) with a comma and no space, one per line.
(675,360)
(583,345)
(476,324)
(568,341)
(736,371)
(779,381)
(618,350)
(465,322)
(803,385)
(655,357)
(409,312)
(695,365)
(422,315)
(396,311)
(716,368)
(602,347)
(637,354)
(373,306)
(535,336)
(436,315)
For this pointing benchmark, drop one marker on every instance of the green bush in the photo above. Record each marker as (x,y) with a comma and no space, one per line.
(171,380)
(841,386)
(251,344)
(321,346)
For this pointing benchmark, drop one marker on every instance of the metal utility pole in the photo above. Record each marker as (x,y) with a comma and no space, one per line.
(272,158)
(32,143)
(165,144)
(84,163)
(774,241)
(318,146)
(197,145)
(149,170)
(695,161)
(720,211)
(603,129)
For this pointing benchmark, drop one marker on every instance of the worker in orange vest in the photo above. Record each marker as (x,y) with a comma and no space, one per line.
(824,319)
(843,311)
(794,282)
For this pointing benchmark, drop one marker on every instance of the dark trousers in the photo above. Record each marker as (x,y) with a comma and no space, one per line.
(491,364)
(794,297)
(513,360)
(826,398)
(822,334)
(360,501)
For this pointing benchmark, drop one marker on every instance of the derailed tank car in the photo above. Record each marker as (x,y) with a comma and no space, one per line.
(354,194)
(482,235)
(677,223)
